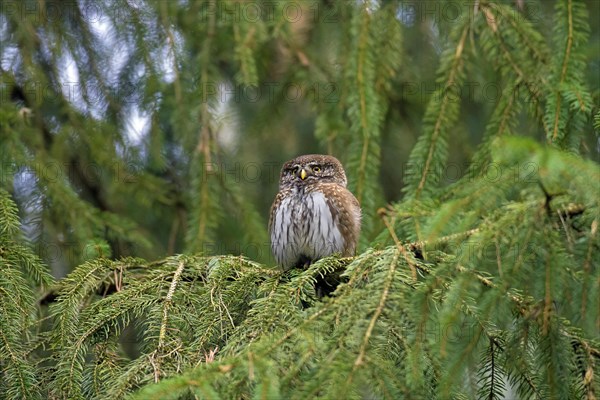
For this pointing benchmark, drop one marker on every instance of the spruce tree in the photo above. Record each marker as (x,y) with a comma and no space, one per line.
(141,143)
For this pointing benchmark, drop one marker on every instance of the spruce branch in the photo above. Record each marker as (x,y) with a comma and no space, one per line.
(16,363)
(167,303)
(363,36)
(565,64)
(587,266)
(384,295)
(401,248)
(527,33)
(492,24)
(440,119)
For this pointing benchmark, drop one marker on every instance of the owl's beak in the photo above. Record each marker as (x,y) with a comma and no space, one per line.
(303,174)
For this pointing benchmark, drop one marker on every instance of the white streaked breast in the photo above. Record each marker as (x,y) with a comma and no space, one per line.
(303,226)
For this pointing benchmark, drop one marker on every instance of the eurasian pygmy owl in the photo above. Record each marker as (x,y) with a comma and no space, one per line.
(313,215)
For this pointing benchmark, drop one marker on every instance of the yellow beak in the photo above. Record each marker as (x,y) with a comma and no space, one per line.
(303,174)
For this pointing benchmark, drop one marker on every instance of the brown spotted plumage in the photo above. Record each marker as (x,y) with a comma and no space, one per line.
(313,215)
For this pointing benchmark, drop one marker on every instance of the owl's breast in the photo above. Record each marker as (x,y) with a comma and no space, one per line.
(304,228)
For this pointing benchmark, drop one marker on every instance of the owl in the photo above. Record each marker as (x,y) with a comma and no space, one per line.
(313,215)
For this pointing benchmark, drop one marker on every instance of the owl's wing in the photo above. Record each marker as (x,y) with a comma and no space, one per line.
(274,206)
(345,211)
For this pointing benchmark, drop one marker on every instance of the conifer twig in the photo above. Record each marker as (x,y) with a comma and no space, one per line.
(563,74)
(163,325)
(401,248)
(167,304)
(364,34)
(445,100)
(378,311)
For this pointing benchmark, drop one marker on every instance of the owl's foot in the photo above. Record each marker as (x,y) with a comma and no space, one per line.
(303,262)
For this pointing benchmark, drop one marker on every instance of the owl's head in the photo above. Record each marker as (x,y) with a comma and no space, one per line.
(312,168)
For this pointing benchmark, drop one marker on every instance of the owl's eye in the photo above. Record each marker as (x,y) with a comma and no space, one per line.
(316,168)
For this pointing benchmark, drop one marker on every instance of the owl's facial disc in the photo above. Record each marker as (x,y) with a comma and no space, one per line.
(309,172)
(302,171)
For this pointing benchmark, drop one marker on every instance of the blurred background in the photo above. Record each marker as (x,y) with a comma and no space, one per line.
(149,128)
